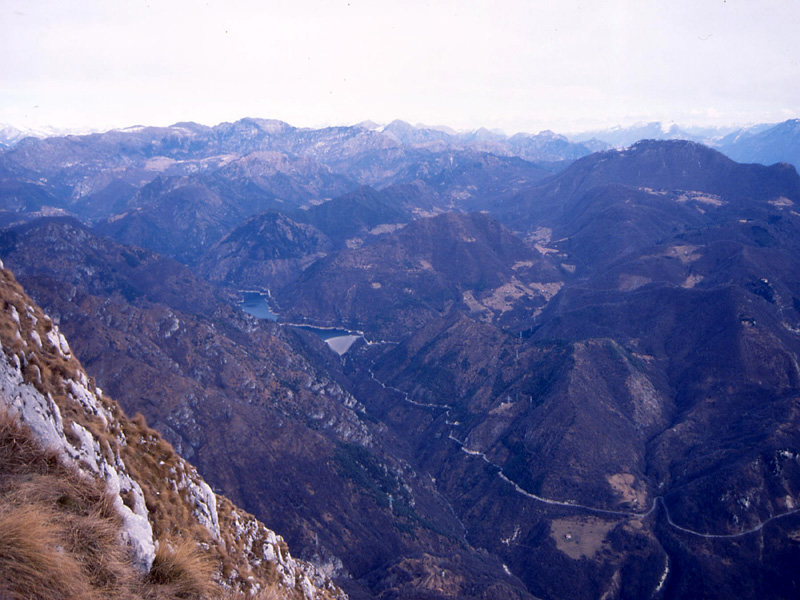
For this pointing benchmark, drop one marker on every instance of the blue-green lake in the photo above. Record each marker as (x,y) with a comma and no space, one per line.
(339,340)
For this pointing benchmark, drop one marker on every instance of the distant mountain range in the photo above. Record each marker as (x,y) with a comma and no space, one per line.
(765,143)
(780,143)
(10,135)
(621,137)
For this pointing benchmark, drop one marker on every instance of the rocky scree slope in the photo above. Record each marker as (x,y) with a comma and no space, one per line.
(172,530)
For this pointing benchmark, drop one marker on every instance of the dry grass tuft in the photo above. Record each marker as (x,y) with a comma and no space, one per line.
(33,563)
(19,451)
(59,532)
(60,536)
(184,570)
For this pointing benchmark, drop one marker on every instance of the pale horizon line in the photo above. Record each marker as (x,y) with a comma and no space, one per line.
(47,130)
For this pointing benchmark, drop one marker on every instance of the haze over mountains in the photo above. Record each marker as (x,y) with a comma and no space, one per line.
(576,375)
(765,143)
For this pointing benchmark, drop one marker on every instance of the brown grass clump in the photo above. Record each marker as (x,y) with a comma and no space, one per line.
(19,452)
(33,564)
(183,570)
(59,532)
(60,536)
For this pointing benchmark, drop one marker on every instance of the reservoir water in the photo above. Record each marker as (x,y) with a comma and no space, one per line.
(257,304)
(339,340)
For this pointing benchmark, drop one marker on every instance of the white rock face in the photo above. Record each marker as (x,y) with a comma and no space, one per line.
(38,412)
(200,496)
(42,415)
(263,544)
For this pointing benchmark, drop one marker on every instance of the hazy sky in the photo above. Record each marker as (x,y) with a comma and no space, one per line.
(517,65)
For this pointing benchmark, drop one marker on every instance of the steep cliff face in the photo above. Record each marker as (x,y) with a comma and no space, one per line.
(60,431)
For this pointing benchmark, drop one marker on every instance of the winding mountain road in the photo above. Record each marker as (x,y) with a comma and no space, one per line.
(575,505)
